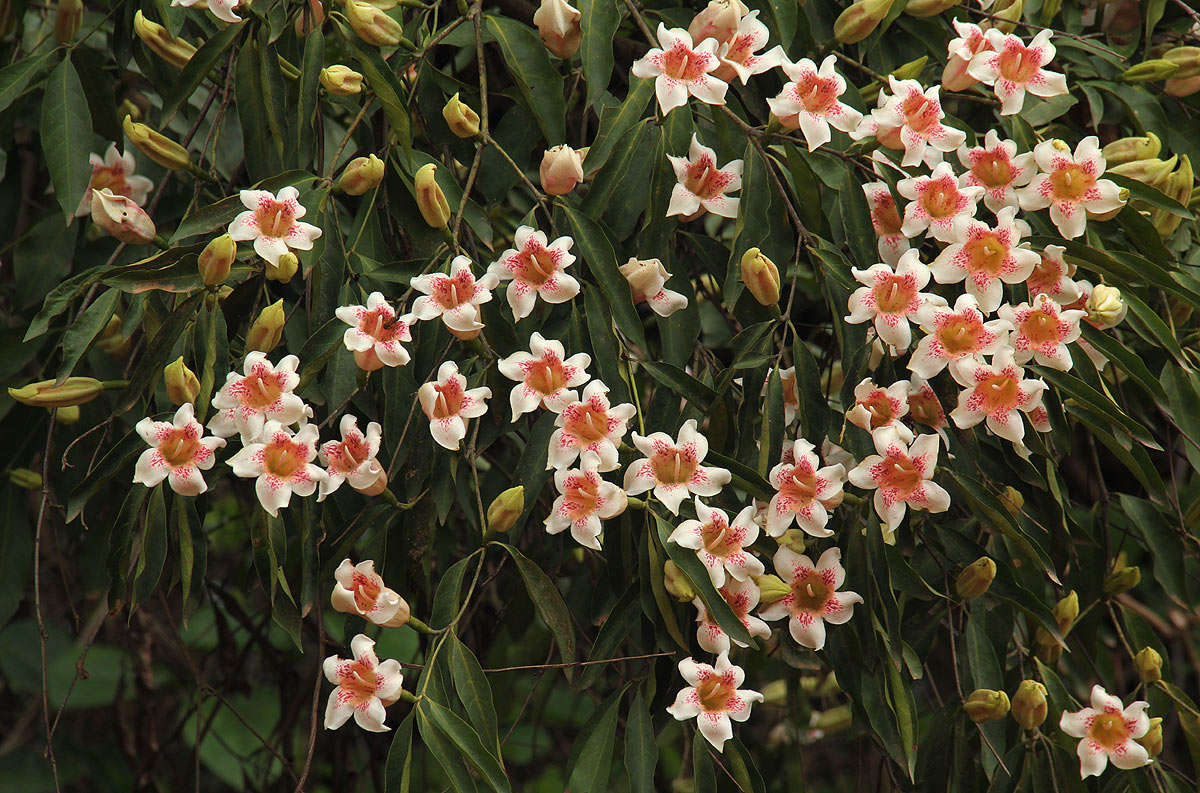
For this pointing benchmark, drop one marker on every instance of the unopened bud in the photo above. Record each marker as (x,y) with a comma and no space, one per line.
(25,479)
(45,394)
(792,539)
(1105,306)
(860,20)
(1126,150)
(975,578)
(984,704)
(430,198)
(284,269)
(1148,664)
(557,22)
(1122,577)
(1149,171)
(869,92)
(1006,14)
(677,584)
(1152,741)
(156,146)
(772,588)
(504,510)
(1186,58)
(761,277)
(68,17)
(216,259)
(308,22)
(1046,647)
(1012,500)
(111,340)
(361,174)
(561,169)
(121,217)
(719,20)
(1029,704)
(68,415)
(1066,611)
(373,25)
(1149,71)
(1181,87)
(159,40)
(929,8)
(341,80)
(375,488)
(182,384)
(1050,9)
(264,335)
(462,120)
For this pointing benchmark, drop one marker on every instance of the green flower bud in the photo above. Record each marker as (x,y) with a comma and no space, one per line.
(361,175)
(45,394)
(216,259)
(68,415)
(284,269)
(1029,704)
(1066,611)
(1132,149)
(1186,58)
(975,578)
(1149,71)
(68,17)
(1152,741)
(341,80)
(430,198)
(761,277)
(1122,577)
(181,382)
(771,588)
(1148,664)
(985,704)
(860,20)
(504,510)
(677,584)
(267,331)
(462,120)
(25,479)
(156,146)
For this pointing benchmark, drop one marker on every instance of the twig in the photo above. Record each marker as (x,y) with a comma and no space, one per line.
(37,597)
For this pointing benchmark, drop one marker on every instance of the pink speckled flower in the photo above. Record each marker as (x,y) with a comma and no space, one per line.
(1052,276)
(712,697)
(738,55)
(364,687)
(1070,184)
(544,375)
(742,597)
(901,476)
(672,467)
(885,219)
(647,284)
(876,407)
(455,297)
(1013,68)
(936,202)
(352,459)
(804,493)
(281,463)
(956,335)
(1043,331)
(680,69)
(535,269)
(359,590)
(447,403)
(969,42)
(589,425)
(264,392)
(178,452)
(997,392)
(810,101)
(584,500)
(114,171)
(924,407)
(814,599)
(722,547)
(1108,731)
(273,222)
(986,257)
(911,119)
(891,298)
(376,334)
(702,185)
(998,169)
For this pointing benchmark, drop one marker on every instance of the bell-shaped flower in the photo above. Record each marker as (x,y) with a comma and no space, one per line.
(924,407)
(936,203)
(178,452)
(262,393)
(221,9)
(1070,184)
(1043,331)
(722,547)
(718,20)
(589,424)
(1052,276)
(955,335)
(885,219)
(712,698)
(358,589)
(114,171)
(672,467)
(584,500)
(1108,731)
(814,598)
(970,41)
(647,279)
(544,375)
(1013,68)
(876,407)
(998,169)
(455,297)
(557,22)
(810,101)
(376,334)
(901,476)
(742,597)
(738,54)
(680,69)
(364,687)
(804,492)
(535,269)
(352,459)
(561,169)
(273,222)
(910,119)
(448,403)
(986,257)
(891,298)
(702,185)
(997,392)
(281,463)
(121,217)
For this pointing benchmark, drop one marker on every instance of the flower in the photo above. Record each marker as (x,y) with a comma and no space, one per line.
(557,22)
(535,268)
(1105,308)
(702,185)
(448,404)
(1070,184)
(995,392)
(115,172)
(561,169)
(718,20)
(281,462)
(891,297)
(876,407)
(364,687)
(178,452)
(721,546)
(262,393)
(956,335)
(584,500)
(221,9)
(589,424)
(791,397)
(1043,331)
(455,297)
(273,222)
(737,54)
(121,217)
(803,492)
(924,407)
(358,589)
(375,333)
(544,375)
(352,459)
(997,168)
(910,119)
(1052,276)
(814,598)
(672,467)
(936,202)
(810,101)
(647,278)
(962,49)
(1108,731)
(901,474)
(885,219)
(986,257)
(1012,67)
(712,697)
(741,597)
(680,69)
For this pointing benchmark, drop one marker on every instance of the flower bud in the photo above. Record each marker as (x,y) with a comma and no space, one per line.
(157,147)
(558,24)
(1009,13)
(1029,704)
(68,17)
(792,539)
(1066,611)
(372,25)
(121,217)
(870,92)
(761,277)
(283,271)
(430,198)
(216,259)
(1181,87)
(1148,664)
(374,489)
(159,40)
(929,8)
(1046,647)
(677,584)
(561,169)
(1050,9)
(1186,58)
(1150,171)
(1149,71)
(45,394)
(1105,307)
(860,20)
(111,340)
(307,23)
(984,704)
(1177,185)
(975,578)
(341,80)
(772,588)
(361,175)
(504,510)
(1152,741)
(462,120)
(25,479)
(68,415)
(182,384)
(1122,577)
(264,335)
(1132,149)
(719,20)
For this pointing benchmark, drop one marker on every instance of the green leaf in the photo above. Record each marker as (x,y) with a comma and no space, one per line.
(641,752)
(447,600)
(1069,385)
(16,76)
(66,132)
(599,22)
(697,574)
(386,85)
(309,126)
(462,735)
(113,463)
(597,253)
(208,219)
(1162,541)
(696,393)
(397,774)
(549,604)
(474,692)
(199,66)
(1144,192)
(704,776)
(593,764)
(443,749)
(1124,357)
(157,349)
(84,330)
(616,122)
(540,83)
(744,477)
(770,441)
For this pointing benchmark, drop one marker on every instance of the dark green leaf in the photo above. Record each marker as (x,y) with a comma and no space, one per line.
(549,604)
(540,83)
(474,692)
(599,22)
(66,132)
(469,744)
(697,574)
(593,764)
(84,330)
(641,753)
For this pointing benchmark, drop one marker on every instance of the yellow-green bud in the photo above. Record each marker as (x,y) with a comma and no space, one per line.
(156,146)
(929,8)
(111,340)
(68,17)
(1066,611)
(372,25)
(284,269)
(860,20)
(361,175)
(159,40)
(1050,9)
(1149,171)
(1012,500)
(341,80)
(430,198)
(1149,71)
(1131,149)
(1008,13)
(1177,185)
(1148,664)
(1046,647)
(45,394)
(216,259)
(1105,306)
(771,588)
(792,539)
(462,120)
(264,335)
(1186,58)
(25,479)
(181,382)
(68,415)
(908,71)
(1181,86)
(504,510)
(1029,704)
(1152,741)
(761,277)
(677,584)
(984,704)
(1122,577)
(975,578)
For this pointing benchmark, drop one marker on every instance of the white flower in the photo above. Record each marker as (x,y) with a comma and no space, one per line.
(1052,275)
(712,697)
(741,597)
(721,546)
(535,268)
(1070,184)
(364,687)
(221,9)
(891,298)
(375,333)
(263,393)
(680,69)
(281,463)
(810,101)
(358,589)
(448,404)
(1107,731)
(995,392)
(352,459)
(1012,67)
(814,599)
(273,222)
(702,185)
(737,55)
(589,425)
(936,202)
(885,219)
(803,492)
(876,407)
(955,335)
(1043,331)
(910,119)
(672,467)
(455,297)
(114,171)
(986,257)
(998,169)
(584,500)
(544,375)
(647,279)
(901,476)
(178,452)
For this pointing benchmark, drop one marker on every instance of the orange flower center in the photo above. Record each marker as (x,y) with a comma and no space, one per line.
(713,693)
(673,468)
(958,336)
(800,486)
(453,292)
(1018,65)
(366,590)
(680,63)
(283,459)
(919,112)
(178,448)
(274,218)
(589,425)
(810,592)
(704,180)
(899,474)
(581,498)
(1071,182)
(350,454)
(999,393)
(380,324)
(448,402)
(1109,730)
(941,199)
(260,392)
(926,409)
(886,217)
(880,408)
(993,170)
(535,267)
(986,254)
(360,683)
(112,178)
(816,94)
(1041,327)
(719,539)
(546,377)
(893,294)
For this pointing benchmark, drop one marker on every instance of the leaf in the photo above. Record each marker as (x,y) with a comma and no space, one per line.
(199,66)
(474,692)
(599,22)
(744,477)
(641,752)
(1144,192)
(597,254)
(113,463)
(1162,541)
(540,83)
(84,330)
(16,76)
(66,132)
(616,122)
(593,764)
(771,436)
(398,770)
(549,604)
(157,350)
(220,214)
(1072,386)
(472,748)
(697,574)
(442,748)
(308,115)
(704,776)
(696,393)
(386,85)
(447,600)
(1130,362)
